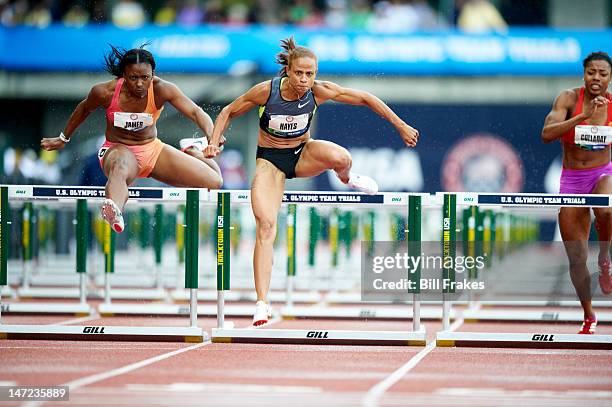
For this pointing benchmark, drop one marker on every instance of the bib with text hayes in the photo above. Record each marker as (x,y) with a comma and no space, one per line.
(287,124)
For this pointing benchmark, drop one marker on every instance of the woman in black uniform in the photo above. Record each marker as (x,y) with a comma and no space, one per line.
(286,106)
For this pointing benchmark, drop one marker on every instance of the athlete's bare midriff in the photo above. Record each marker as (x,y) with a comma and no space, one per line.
(266,140)
(576,158)
(130,104)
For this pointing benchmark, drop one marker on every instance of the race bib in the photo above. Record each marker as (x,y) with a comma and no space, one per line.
(133,121)
(286,124)
(593,137)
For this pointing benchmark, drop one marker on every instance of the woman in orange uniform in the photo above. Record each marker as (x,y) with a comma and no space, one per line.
(133,103)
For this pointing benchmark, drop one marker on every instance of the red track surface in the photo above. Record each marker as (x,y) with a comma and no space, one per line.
(253,374)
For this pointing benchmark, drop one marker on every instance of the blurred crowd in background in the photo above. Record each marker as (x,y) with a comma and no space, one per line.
(371,15)
(28,166)
(22,165)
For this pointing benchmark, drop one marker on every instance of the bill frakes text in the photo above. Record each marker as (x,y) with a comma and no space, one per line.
(427,284)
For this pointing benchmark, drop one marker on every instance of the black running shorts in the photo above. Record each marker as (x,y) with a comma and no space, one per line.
(285,159)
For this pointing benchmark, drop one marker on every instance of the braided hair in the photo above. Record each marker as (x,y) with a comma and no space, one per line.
(118,58)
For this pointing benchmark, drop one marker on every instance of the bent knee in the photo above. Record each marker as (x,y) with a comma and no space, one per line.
(120,166)
(342,160)
(209,181)
(266,229)
(215,182)
(577,259)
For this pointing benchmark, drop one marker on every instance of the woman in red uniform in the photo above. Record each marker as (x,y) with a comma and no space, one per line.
(586,170)
(133,103)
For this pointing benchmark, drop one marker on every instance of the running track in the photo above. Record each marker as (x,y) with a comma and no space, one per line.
(178,374)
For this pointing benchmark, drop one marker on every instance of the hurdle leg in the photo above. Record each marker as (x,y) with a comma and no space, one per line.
(4,242)
(413,237)
(220,309)
(158,241)
(313,232)
(416,312)
(334,242)
(472,212)
(446,309)
(81,252)
(191,250)
(223,253)
(193,308)
(449,248)
(109,261)
(26,241)
(27,270)
(180,245)
(291,261)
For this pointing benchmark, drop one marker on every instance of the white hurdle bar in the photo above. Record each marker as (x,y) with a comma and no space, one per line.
(192,333)
(493,315)
(221,333)
(523,340)
(103,333)
(531,340)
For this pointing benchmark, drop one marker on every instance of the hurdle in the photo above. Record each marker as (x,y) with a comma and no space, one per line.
(69,195)
(412,203)
(224,334)
(50,279)
(523,340)
(541,339)
(24,193)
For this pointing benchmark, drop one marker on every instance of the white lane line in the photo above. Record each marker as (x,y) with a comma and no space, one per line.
(375,393)
(220,387)
(75,384)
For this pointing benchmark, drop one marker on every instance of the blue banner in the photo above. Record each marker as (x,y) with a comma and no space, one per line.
(235,51)
(474,148)
(544,200)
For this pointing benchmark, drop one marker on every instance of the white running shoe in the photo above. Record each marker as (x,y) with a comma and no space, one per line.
(263,312)
(110,212)
(363,183)
(199,143)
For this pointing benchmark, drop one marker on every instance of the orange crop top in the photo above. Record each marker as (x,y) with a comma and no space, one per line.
(132,121)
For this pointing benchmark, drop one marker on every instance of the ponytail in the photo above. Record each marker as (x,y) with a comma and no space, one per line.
(291,52)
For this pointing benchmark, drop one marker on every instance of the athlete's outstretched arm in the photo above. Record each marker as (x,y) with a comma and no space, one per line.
(187,107)
(330,91)
(257,95)
(94,99)
(557,124)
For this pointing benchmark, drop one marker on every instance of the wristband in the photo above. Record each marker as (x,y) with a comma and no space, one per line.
(63,138)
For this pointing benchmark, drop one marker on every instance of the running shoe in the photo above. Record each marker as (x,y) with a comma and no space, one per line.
(112,214)
(588,326)
(363,183)
(263,312)
(605,281)
(199,143)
